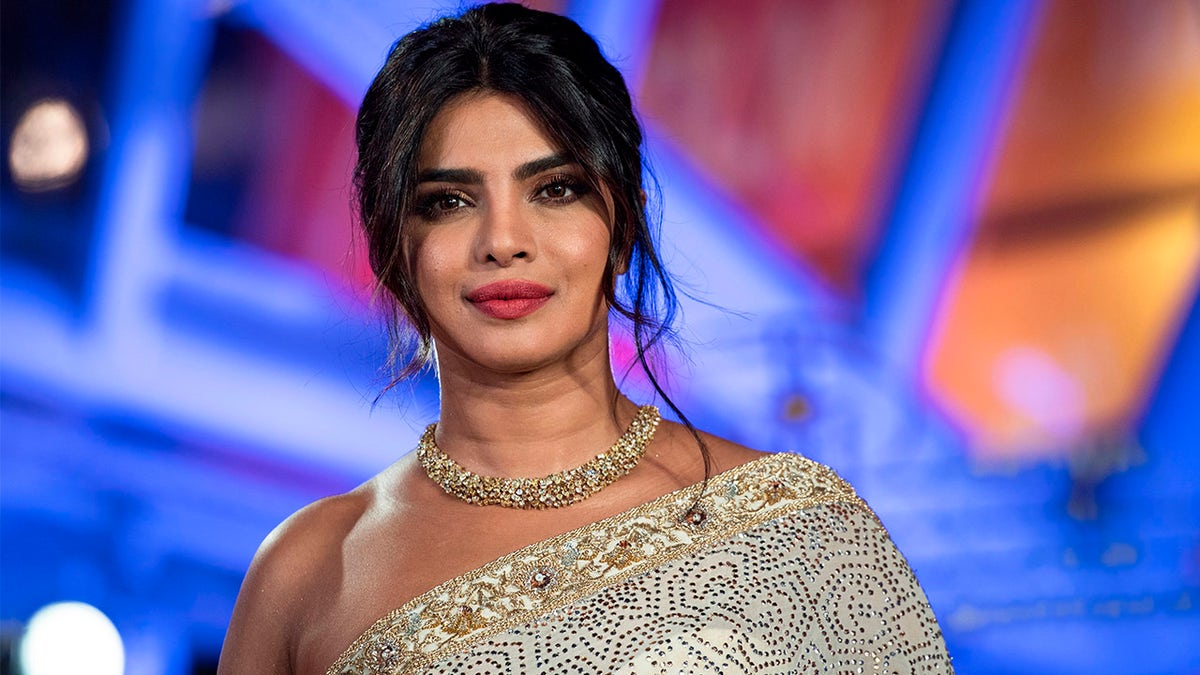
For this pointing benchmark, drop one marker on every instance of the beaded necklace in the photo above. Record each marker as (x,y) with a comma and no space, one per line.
(548,492)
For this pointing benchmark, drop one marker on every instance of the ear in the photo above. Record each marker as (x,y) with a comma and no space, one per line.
(628,236)
(625,250)
(622,264)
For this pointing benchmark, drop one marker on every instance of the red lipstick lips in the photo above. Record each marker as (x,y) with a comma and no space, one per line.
(509,299)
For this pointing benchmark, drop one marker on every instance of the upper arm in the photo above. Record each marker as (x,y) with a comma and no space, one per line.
(878,596)
(279,588)
(258,637)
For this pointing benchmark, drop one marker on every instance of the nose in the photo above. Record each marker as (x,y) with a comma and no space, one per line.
(505,236)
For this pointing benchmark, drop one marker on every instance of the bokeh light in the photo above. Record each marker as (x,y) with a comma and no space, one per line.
(49,146)
(67,638)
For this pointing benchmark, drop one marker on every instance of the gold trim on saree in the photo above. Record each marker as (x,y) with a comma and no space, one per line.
(556,572)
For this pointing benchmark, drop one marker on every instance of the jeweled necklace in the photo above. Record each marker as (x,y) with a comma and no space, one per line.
(548,492)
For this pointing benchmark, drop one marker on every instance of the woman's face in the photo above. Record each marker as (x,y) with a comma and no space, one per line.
(507,242)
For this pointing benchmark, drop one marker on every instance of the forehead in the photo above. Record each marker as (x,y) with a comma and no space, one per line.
(484,131)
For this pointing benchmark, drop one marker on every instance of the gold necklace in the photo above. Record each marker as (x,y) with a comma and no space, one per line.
(548,492)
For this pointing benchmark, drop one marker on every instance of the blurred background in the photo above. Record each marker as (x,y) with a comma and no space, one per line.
(949,248)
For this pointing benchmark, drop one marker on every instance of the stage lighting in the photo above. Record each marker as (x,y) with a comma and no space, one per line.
(49,146)
(94,644)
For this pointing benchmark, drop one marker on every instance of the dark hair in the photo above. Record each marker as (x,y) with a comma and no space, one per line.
(580,100)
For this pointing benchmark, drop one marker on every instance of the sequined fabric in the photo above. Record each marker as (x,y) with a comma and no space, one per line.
(780,568)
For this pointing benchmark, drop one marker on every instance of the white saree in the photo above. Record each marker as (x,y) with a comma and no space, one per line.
(780,568)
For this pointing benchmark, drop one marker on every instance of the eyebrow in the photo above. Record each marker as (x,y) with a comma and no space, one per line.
(473,177)
(468,176)
(531,169)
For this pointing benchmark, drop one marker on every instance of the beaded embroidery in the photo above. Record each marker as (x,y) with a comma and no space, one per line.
(541,586)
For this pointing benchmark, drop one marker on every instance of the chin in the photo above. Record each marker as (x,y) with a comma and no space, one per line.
(522,362)
(525,355)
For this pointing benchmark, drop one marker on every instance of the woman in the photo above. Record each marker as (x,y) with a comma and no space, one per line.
(500,186)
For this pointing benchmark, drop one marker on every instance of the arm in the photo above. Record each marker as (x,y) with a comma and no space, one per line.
(283,586)
(259,632)
(871,601)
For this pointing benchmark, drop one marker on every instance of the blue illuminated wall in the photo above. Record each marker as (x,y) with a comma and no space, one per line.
(186,356)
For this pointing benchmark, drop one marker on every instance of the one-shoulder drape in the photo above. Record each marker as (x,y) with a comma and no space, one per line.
(778,568)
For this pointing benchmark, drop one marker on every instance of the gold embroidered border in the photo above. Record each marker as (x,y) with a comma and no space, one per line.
(556,572)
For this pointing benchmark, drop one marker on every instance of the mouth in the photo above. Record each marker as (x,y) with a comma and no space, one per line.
(510,299)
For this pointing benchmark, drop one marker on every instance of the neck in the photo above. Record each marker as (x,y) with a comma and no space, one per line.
(530,424)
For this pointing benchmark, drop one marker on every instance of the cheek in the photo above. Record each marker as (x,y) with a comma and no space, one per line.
(428,258)
(585,257)
(427,267)
(586,245)
(599,250)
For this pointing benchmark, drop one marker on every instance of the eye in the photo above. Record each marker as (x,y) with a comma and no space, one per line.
(449,202)
(557,191)
(440,203)
(561,189)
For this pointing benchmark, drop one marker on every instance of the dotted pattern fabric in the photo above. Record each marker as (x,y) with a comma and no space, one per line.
(781,569)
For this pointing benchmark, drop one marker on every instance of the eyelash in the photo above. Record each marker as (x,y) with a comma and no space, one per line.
(577,187)
(429,207)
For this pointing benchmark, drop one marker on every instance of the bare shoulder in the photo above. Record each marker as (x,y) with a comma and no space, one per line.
(304,542)
(680,453)
(727,454)
(284,582)
(790,466)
